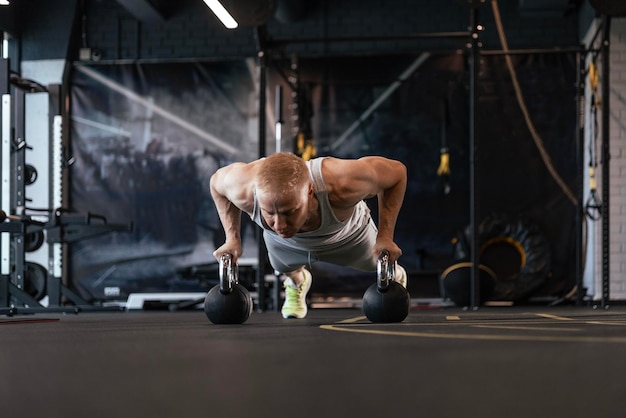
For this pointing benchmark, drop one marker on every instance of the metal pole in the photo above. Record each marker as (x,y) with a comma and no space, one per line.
(279,127)
(279,117)
(55,185)
(406,37)
(474,61)
(261,254)
(5,180)
(606,156)
(19,187)
(580,152)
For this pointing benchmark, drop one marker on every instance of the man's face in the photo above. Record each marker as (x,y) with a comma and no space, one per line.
(286,212)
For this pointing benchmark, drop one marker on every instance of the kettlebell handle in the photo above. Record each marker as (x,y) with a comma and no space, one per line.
(386,271)
(228,273)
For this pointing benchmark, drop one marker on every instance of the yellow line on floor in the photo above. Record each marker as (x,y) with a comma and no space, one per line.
(453,318)
(618,323)
(531,328)
(550,316)
(486,337)
(351,320)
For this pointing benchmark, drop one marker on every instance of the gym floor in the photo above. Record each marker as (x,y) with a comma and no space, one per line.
(446,362)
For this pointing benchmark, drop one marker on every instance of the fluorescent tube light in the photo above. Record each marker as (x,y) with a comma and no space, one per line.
(221,13)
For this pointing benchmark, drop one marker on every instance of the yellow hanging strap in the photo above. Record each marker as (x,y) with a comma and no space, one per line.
(594,80)
(444,169)
(444,163)
(305,147)
(310,151)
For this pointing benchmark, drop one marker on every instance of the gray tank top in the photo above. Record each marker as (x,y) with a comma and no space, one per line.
(331,231)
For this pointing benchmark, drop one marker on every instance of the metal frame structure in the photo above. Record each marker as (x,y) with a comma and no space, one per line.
(61,227)
(474,52)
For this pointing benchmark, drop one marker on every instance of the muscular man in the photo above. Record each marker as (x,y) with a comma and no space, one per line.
(312,211)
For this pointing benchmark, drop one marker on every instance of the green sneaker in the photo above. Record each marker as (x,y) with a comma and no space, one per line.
(401,276)
(295,297)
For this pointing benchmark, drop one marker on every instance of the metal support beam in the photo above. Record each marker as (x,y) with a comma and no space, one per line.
(474,66)
(262,251)
(5,172)
(580,152)
(5,175)
(18,198)
(606,157)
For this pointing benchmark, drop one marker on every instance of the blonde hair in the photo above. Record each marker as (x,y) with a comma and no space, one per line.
(282,172)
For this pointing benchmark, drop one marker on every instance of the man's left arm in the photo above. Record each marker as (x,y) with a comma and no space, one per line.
(391,177)
(354,180)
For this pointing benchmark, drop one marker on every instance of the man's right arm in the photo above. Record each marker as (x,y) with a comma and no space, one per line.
(230,195)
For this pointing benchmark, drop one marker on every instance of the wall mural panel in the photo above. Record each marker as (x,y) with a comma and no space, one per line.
(146,139)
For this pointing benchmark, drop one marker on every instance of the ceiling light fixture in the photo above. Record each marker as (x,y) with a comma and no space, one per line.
(221,13)
(4,3)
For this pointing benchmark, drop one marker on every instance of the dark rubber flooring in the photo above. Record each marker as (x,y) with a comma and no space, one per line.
(494,362)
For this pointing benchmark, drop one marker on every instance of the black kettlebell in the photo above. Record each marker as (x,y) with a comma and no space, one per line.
(228,302)
(386,300)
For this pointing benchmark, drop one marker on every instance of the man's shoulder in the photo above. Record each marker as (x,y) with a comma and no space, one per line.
(236,181)
(342,167)
(241,171)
